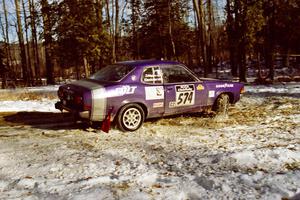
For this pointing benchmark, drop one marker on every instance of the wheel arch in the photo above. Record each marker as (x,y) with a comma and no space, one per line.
(230,94)
(143,106)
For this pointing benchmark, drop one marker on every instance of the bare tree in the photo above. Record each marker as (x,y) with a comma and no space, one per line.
(134,20)
(34,40)
(21,44)
(116,40)
(210,40)
(47,40)
(198,6)
(28,56)
(4,69)
(6,36)
(170,29)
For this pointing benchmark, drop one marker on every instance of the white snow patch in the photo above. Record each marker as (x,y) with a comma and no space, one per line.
(27,106)
(147,179)
(291,88)
(265,159)
(49,88)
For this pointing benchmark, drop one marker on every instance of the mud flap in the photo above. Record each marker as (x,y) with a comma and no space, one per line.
(106,122)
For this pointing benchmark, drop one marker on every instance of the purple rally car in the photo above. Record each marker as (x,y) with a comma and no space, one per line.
(129,92)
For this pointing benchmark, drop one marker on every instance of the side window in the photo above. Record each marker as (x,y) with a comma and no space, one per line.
(177,74)
(152,75)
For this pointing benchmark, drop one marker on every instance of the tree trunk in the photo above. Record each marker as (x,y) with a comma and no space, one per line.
(110,28)
(134,40)
(99,18)
(6,38)
(21,44)
(242,62)
(99,6)
(2,66)
(269,43)
(231,33)
(86,67)
(210,46)
(198,6)
(198,56)
(28,63)
(116,40)
(34,41)
(47,41)
(170,31)
(108,19)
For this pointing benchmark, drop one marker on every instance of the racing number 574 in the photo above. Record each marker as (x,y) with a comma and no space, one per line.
(185,98)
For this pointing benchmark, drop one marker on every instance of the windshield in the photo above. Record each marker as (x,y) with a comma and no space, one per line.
(112,73)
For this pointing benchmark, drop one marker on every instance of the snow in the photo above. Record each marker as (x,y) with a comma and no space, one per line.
(291,88)
(26,104)
(254,153)
(48,88)
(39,106)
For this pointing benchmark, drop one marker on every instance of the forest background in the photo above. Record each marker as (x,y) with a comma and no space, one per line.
(46,41)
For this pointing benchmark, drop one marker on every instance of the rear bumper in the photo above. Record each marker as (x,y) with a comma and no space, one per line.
(83,114)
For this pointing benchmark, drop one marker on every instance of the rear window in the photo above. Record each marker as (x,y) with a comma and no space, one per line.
(112,73)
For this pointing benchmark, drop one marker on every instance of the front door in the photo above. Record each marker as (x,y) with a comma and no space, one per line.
(183,91)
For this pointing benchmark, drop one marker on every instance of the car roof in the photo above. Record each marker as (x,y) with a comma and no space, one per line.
(143,63)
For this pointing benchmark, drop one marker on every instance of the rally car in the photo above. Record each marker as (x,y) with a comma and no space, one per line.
(130,92)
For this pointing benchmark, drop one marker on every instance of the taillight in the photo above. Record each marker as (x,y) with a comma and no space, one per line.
(242,90)
(60,93)
(78,100)
(87,107)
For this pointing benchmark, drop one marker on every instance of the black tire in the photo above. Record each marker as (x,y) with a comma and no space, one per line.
(222,104)
(130,117)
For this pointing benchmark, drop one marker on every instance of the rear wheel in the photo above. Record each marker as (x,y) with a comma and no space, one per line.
(130,117)
(222,104)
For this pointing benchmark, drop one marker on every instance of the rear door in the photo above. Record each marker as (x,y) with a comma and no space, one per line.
(154,91)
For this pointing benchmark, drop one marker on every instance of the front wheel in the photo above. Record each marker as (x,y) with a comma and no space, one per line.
(222,104)
(130,117)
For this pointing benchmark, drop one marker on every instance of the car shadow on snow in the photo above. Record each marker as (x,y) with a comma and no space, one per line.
(42,120)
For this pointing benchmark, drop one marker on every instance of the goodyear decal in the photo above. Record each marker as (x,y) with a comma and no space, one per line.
(225,85)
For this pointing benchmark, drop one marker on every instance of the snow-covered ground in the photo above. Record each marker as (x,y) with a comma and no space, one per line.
(252,154)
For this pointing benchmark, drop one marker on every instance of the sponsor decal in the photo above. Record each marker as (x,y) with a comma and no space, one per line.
(172,104)
(225,85)
(158,105)
(211,93)
(133,77)
(121,91)
(154,92)
(185,95)
(200,87)
(126,89)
